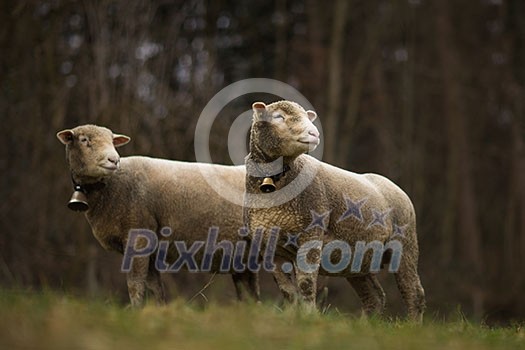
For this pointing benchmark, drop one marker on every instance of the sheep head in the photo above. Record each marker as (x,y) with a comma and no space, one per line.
(91,153)
(284,129)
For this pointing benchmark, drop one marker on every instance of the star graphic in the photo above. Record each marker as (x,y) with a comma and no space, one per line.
(353,209)
(379,218)
(399,230)
(292,240)
(318,220)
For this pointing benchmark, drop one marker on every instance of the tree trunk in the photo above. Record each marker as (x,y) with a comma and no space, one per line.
(335,82)
(461,180)
(281,42)
(317,50)
(354,96)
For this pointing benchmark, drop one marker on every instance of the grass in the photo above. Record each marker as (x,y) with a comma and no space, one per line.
(30,320)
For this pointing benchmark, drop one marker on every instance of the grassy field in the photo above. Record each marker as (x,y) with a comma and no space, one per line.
(30,320)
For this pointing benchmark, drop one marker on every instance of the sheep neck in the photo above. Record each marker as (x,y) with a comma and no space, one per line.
(87,187)
(260,164)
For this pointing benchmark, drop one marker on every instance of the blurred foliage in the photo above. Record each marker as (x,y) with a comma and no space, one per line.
(429,93)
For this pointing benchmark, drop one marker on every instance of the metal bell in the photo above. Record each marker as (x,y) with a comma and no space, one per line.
(267,185)
(78,201)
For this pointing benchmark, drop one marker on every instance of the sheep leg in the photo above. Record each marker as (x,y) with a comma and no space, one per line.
(307,279)
(410,286)
(154,283)
(141,274)
(136,280)
(284,281)
(246,282)
(370,293)
(308,260)
(307,285)
(380,292)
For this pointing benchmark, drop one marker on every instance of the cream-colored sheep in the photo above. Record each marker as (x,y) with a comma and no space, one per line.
(315,201)
(147,193)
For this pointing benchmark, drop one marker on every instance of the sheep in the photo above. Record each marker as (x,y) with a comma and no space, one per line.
(152,194)
(316,205)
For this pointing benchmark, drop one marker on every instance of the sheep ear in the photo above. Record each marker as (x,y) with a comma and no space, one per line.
(311,115)
(120,140)
(258,109)
(65,136)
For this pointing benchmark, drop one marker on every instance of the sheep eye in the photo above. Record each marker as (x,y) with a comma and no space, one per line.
(278,116)
(83,139)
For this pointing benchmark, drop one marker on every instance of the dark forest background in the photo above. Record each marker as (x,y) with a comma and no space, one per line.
(429,93)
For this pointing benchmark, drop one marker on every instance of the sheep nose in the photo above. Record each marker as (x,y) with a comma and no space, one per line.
(314,132)
(114,159)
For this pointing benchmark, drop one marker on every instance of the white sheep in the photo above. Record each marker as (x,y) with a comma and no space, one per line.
(147,193)
(318,203)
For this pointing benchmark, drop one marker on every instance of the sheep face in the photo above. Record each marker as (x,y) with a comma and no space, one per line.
(284,128)
(90,151)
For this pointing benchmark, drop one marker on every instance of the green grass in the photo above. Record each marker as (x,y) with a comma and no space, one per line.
(30,320)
